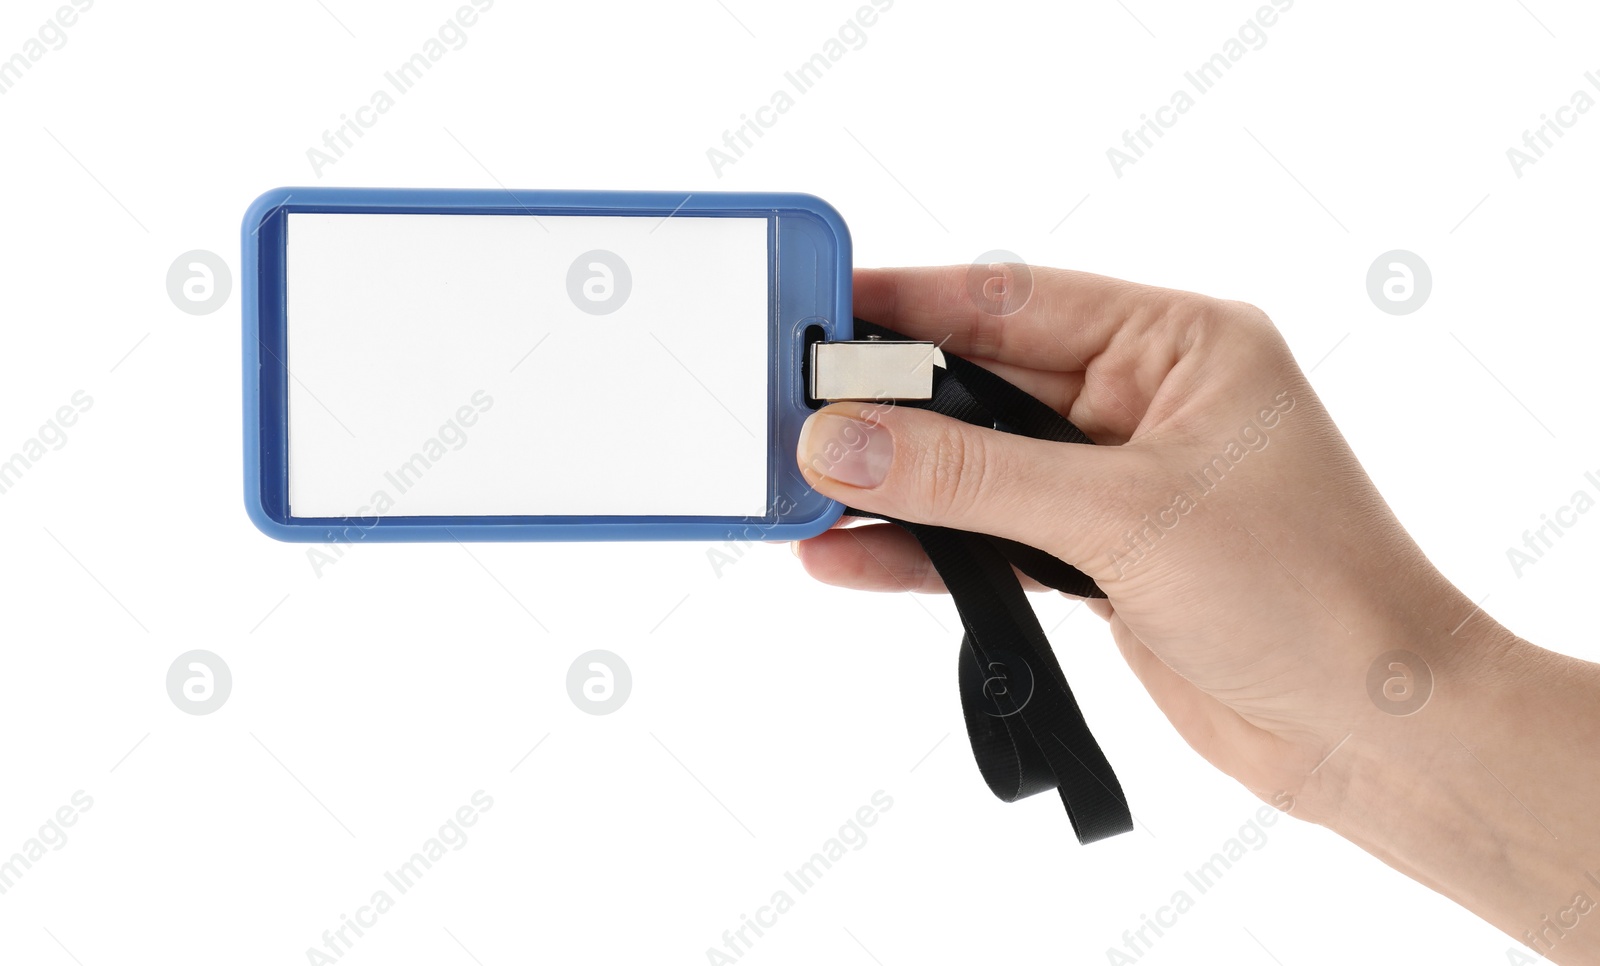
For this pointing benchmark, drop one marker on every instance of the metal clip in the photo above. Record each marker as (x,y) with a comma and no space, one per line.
(873,370)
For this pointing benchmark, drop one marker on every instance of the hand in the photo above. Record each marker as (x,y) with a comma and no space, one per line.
(1246,557)
(1254,576)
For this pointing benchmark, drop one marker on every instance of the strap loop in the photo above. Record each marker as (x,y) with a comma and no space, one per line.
(1026,729)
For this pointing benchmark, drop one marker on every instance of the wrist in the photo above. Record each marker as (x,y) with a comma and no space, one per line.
(1430,663)
(1410,663)
(1473,794)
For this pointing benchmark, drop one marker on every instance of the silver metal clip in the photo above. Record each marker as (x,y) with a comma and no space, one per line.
(873,370)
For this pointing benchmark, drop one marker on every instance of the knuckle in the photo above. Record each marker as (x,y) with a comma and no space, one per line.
(1199,316)
(952,472)
(1250,320)
(1248,315)
(1204,321)
(985,335)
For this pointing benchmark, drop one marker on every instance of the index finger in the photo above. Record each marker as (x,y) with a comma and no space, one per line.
(1068,317)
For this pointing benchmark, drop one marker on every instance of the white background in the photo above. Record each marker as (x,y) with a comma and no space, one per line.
(372,701)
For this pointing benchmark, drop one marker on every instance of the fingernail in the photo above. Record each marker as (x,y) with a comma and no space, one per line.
(848,450)
(794,547)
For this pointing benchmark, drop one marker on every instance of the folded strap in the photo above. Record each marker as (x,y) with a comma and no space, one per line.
(1027,731)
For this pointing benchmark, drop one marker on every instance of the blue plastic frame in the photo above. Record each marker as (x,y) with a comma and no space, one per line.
(810,260)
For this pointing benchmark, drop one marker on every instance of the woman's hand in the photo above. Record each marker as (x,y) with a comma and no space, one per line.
(1257,584)
(1247,558)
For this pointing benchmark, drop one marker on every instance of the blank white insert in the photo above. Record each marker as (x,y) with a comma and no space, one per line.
(402,326)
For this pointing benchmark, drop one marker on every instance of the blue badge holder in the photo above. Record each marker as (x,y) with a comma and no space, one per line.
(808,300)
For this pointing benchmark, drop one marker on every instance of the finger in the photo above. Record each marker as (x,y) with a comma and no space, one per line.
(1068,319)
(1123,338)
(877,557)
(1063,392)
(1054,389)
(920,466)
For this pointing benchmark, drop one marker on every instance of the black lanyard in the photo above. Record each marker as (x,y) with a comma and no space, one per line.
(1027,731)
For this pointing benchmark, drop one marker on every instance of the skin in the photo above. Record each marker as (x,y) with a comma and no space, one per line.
(1254,608)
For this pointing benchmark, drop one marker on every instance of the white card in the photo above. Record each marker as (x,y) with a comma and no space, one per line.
(442,365)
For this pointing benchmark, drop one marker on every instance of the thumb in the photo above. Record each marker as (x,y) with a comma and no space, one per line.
(910,464)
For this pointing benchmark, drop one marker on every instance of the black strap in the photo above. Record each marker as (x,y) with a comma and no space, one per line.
(1027,731)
